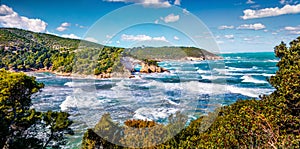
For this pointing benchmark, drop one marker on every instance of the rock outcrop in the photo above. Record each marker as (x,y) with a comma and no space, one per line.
(152,69)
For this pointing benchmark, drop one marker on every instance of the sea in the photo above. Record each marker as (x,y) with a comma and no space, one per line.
(193,88)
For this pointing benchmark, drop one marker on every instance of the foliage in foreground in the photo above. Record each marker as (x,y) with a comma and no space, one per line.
(22,126)
(272,122)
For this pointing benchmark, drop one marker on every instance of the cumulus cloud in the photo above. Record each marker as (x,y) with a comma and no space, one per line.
(283,2)
(270,12)
(109,36)
(291,28)
(248,39)
(256,26)
(72,36)
(64,26)
(9,18)
(176,38)
(220,42)
(147,3)
(255,6)
(126,37)
(250,2)
(229,36)
(185,11)
(91,39)
(295,30)
(80,26)
(170,18)
(177,2)
(226,27)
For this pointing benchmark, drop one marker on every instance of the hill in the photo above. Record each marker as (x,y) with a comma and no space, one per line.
(23,50)
(171,53)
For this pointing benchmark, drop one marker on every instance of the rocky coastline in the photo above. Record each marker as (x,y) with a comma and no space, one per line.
(129,64)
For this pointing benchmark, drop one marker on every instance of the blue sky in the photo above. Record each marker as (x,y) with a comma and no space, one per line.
(236,25)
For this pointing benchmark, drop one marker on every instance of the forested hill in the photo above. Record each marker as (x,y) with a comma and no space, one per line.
(175,53)
(23,50)
(18,38)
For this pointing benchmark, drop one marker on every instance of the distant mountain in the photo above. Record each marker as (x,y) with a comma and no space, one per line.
(23,50)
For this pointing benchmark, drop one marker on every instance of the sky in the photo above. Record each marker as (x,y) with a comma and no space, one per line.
(225,26)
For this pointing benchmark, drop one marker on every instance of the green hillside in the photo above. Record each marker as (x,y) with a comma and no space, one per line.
(25,51)
(175,53)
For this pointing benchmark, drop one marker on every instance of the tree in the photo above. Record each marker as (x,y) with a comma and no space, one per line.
(59,124)
(19,123)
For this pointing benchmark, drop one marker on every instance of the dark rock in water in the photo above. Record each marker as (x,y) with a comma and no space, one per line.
(130,77)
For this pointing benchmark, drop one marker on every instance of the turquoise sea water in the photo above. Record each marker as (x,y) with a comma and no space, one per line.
(192,87)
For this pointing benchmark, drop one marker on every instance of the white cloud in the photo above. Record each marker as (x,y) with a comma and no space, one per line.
(170,18)
(256,26)
(61,28)
(147,3)
(220,42)
(176,38)
(109,36)
(229,36)
(295,30)
(91,39)
(185,11)
(105,42)
(9,18)
(162,38)
(126,37)
(80,26)
(73,36)
(250,2)
(226,27)
(156,21)
(135,38)
(283,2)
(269,12)
(47,32)
(118,42)
(64,26)
(255,6)
(177,2)
(248,39)
(291,28)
